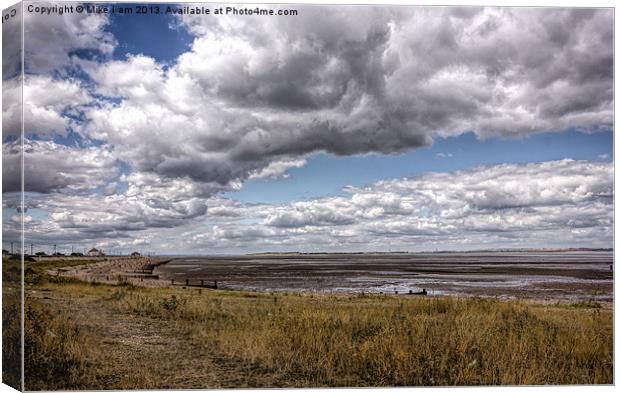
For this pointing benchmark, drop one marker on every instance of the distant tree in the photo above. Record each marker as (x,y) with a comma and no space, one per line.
(77,254)
(40,253)
(4,252)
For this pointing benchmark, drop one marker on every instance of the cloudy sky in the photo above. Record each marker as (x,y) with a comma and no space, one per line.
(344,128)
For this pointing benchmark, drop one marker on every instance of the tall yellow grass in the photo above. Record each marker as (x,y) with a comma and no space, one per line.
(388,341)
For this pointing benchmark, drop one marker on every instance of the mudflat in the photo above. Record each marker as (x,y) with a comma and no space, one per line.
(558,275)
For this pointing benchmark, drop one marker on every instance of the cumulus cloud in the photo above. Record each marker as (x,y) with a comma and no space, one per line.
(497,71)
(558,203)
(95,217)
(250,98)
(52,167)
(11,108)
(52,40)
(503,205)
(48,105)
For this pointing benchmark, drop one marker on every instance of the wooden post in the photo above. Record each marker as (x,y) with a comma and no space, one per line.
(202,283)
(171,282)
(396,292)
(187,282)
(215,284)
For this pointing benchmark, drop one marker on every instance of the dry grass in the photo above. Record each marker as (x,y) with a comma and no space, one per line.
(388,341)
(11,323)
(57,351)
(310,340)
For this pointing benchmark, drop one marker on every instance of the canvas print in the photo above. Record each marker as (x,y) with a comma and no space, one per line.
(205,195)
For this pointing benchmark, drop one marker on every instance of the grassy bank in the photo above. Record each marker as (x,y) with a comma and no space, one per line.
(11,322)
(272,340)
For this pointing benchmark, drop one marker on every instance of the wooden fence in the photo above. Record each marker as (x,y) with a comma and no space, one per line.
(195,283)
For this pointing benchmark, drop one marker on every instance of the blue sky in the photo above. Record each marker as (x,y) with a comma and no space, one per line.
(160,36)
(326,174)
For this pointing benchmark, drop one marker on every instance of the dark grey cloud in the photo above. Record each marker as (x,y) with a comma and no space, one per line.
(52,40)
(51,167)
(11,42)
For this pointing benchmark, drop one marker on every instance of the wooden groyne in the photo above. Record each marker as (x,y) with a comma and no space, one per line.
(195,283)
(146,271)
(115,270)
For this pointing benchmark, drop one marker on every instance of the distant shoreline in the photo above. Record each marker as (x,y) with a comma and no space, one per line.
(298,253)
(438,252)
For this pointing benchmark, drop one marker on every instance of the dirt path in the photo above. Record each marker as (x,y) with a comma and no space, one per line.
(137,352)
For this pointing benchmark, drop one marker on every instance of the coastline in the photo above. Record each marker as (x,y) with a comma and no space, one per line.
(143,272)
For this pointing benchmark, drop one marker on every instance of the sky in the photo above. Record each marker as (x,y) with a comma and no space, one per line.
(343,128)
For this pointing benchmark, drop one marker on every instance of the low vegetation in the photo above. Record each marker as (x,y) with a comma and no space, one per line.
(389,341)
(57,352)
(11,322)
(321,340)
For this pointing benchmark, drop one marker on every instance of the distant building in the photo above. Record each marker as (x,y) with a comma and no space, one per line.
(93,252)
(135,254)
(5,252)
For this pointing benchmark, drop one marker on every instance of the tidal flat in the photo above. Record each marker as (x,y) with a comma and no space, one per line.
(543,275)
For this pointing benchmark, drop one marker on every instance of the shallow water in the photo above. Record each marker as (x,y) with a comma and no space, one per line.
(574,275)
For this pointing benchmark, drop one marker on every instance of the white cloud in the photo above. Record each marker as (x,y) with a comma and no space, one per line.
(503,205)
(47,105)
(558,203)
(52,39)
(277,169)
